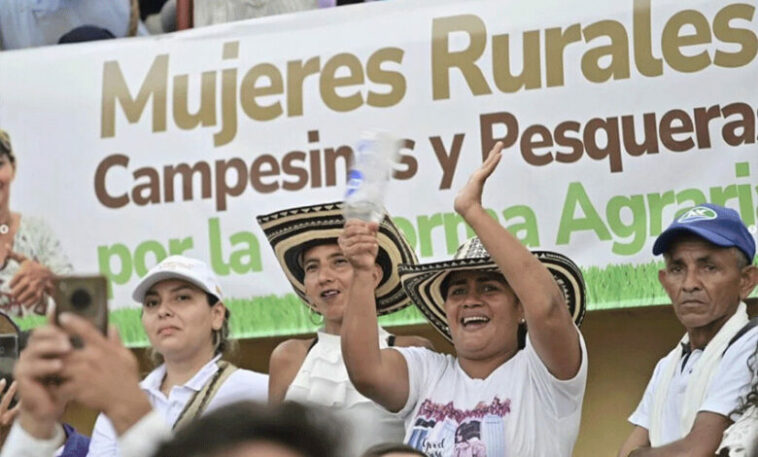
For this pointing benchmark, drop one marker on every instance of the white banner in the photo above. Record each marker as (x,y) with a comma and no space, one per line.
(615,115)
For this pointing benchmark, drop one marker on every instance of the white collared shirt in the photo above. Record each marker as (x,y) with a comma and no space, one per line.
(239,386)
(730,382)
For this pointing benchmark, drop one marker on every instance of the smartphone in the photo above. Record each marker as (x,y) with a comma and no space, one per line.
(86,296)
(8,353)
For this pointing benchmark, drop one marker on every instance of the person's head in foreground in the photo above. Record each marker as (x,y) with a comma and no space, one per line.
(393,450)
(182,309)
(304,241)
(709,268)
(248,429)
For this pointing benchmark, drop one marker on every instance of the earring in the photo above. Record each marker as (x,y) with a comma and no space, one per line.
(522,321)
(315,318)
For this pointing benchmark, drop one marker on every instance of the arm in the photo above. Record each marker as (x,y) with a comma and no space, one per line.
(638,438)
(551,329)
(413,341)
(702,440)
(285,362)
(381,375)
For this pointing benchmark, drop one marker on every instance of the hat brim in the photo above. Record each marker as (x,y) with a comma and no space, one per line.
(423,284)
(293,230)
(664,240)
(152,279)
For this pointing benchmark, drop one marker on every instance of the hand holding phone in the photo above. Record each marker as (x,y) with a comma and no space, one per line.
(86,296)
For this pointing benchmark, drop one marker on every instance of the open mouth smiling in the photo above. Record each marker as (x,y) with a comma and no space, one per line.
(474,321)
(331,293)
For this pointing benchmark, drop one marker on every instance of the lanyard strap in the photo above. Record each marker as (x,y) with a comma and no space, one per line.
(199,401)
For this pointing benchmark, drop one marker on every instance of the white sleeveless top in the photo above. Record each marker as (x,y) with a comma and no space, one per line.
(323,380)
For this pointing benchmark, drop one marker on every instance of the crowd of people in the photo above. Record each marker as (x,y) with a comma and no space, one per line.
(27,24)
(514,388)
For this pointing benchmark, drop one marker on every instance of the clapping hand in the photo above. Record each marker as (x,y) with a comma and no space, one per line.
(470,196)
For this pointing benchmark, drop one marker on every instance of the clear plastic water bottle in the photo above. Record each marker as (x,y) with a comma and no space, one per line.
(369,174)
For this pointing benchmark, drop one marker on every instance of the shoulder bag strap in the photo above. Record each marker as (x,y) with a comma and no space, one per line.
(197,404)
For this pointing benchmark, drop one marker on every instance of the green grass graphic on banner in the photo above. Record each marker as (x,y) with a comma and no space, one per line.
(613,286)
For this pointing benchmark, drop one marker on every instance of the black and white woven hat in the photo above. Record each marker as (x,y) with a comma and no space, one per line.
(292,231)
(423,282)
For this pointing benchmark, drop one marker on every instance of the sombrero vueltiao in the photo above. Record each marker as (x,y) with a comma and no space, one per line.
(291,231)
(423,282)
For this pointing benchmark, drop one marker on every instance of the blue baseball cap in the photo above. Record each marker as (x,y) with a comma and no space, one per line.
(721,226)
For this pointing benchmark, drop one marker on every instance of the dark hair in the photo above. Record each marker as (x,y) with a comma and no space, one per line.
(387,448)
(742,260)
(751,399)
(6,148)
(296,427)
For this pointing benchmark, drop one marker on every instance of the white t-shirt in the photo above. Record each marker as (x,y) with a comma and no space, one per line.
(520,410)
(239,386)
(730,382)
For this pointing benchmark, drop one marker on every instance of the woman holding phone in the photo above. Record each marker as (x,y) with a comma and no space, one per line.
(185,319)
(188,327)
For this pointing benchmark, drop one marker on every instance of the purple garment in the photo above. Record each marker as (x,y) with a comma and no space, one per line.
(76,445)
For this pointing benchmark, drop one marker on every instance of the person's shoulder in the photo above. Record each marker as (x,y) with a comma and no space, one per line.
(288,352)
(413,341)
(35,227)
(245,384)
(746,337)
(419,355)
(742,347)
(30,220)
(249,376)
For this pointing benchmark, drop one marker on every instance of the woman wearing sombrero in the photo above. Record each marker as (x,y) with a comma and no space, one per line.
(312,371)
(496,398)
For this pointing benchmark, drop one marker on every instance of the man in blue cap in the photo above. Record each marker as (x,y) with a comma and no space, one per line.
(709,272)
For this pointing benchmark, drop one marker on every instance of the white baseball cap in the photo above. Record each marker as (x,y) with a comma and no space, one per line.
(193,271)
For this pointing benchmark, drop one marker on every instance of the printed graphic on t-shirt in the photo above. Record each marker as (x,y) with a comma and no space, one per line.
(443,431)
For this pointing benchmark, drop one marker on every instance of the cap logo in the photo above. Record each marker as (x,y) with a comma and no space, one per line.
(698,213)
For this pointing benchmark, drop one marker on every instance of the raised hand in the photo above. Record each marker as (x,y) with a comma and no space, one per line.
(42,403)
(7,415)
(103,374)
(359,244)
(470,196)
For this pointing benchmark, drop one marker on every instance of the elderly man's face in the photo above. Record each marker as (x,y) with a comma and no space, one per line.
(704,281)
